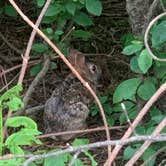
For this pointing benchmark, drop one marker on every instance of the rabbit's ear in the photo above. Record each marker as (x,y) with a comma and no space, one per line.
(76,59)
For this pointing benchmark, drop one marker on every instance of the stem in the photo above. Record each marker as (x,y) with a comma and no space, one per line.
(1,131)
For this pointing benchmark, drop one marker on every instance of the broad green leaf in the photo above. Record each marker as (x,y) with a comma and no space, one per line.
(94,7)
(18,121)
(83,19)
(11,162)
(131,49)
(140,130)
(15,104)
(144,61)
(146,90)
(35,69)
(149,152)
(129,152)
(81,34)
(14,91)
(158,118)
(20,139)
(159,34)
(53,65)
(134,65)
(71,7)
(80,141)
(61,160)
(40,3)
(10,11)
(39,47)
(15,149)
(126,39)
(54,9)
(126,90)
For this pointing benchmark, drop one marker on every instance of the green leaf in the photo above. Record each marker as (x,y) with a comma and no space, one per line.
(36,69)
(39,47)
(15,104)
(11,162)
(18,121)
(54,10)
(61,160)
(144,61)
(81,34)
(71,7)
(134,65)
(53,65)
(140,130)
(126,90)
(133,48)
(10,11)
(40,3)
(83,19)
(15,149)
(80,141)
(12,92)
(21,138)
(94,7)
(149,152)
(146,90)
(159,34)
(129,152)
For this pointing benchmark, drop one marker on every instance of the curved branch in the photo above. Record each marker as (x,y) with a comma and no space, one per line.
(146,37)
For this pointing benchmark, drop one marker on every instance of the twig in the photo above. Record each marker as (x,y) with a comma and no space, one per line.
(10,45)
(139,117)
(159,138)
(2,89)
(146,37)
(69,65)
(37,79)
(81,131)
(146,144)
(153,156)
(127,117)
(74,158)
(30,42)
(18,66)
(96,145)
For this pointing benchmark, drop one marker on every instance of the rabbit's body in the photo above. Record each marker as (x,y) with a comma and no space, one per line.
(67,109)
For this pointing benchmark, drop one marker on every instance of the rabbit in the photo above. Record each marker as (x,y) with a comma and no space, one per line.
(67,108)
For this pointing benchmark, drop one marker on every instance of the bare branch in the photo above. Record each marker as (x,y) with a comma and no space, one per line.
(96,145)
(146,37)
(30,42)
(159,138)
(139,117)
(146,144)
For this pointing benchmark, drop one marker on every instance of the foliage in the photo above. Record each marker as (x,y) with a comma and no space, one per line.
(26,127)
(151,75)
(63,159)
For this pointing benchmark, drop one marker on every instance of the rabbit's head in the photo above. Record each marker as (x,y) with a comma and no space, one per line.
(89,71)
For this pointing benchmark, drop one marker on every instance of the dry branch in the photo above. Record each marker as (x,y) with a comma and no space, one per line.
(139,117)
(146,144)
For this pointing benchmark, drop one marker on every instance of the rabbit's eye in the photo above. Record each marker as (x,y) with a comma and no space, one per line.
(93,68)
